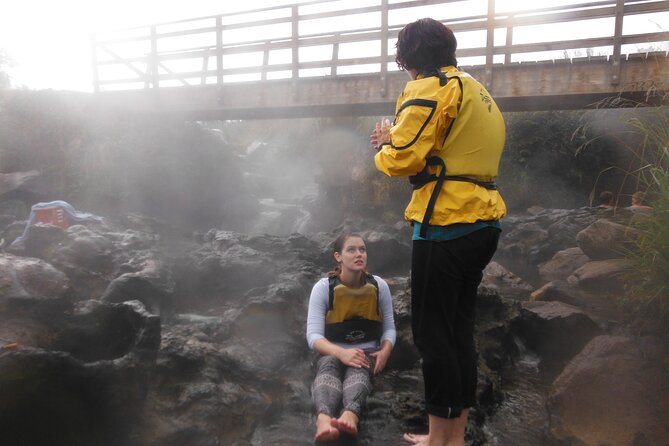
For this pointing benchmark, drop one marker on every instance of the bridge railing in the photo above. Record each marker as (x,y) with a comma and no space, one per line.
(344,37)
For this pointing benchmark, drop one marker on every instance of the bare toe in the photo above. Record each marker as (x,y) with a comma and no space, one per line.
(327,434)
(324,429)
(415,438)
(348,423)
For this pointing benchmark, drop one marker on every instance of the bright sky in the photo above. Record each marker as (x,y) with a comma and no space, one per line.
(48,41)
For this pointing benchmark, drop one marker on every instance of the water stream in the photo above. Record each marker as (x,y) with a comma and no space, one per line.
(522,419)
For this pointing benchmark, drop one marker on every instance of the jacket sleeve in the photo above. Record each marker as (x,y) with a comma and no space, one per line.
(419,125)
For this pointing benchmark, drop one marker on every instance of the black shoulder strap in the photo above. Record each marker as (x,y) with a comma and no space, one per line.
(436,72)
(372,280)
(332,280)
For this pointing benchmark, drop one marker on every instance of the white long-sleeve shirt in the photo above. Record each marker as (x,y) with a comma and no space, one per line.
(318,307)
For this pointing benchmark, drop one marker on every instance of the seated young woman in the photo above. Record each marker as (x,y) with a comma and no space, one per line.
(350,325)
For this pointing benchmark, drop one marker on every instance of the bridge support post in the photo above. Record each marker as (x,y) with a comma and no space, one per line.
(509,41)
(94,60)
(490,44)
(152,68)
(384,48)
(295,37)
(219,50)
(335,56)
(617,42)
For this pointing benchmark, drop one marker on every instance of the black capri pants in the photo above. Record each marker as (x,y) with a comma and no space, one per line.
(445,276)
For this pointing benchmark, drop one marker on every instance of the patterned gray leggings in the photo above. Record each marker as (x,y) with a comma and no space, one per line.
(337,385)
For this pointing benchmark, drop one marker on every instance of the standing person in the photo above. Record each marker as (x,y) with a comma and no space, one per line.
(350,324)
(447,137)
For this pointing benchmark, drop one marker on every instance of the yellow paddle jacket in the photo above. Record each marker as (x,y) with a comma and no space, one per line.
(460,123)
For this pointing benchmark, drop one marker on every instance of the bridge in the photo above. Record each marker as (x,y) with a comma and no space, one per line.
(336,57)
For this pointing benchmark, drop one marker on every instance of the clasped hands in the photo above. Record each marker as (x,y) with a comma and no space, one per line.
(381,134)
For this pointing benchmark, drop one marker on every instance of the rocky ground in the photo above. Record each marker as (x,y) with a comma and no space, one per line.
(130,333)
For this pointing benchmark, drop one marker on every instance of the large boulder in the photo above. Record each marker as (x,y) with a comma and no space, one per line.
(605,239)
(91,255)
(506,283)
(153,286)
(601,276)
(85,254)
(602,308)
(615,392)
(555,330)
(86,383)
(528,241)
(563,264)
(30,284)
(495,314)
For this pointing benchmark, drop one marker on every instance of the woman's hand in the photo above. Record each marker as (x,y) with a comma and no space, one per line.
(381,134)
(353,357)
(381,357)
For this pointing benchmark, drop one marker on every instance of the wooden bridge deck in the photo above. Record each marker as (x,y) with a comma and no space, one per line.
(205,68)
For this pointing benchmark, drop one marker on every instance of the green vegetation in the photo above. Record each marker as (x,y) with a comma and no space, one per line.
(649,284)
(645,137)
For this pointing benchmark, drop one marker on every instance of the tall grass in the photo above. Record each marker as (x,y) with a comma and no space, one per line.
(648,287)
(645,136)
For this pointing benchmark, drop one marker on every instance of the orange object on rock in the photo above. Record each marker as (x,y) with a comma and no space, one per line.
(55,216)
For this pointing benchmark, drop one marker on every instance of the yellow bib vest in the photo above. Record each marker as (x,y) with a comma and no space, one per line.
(353,314)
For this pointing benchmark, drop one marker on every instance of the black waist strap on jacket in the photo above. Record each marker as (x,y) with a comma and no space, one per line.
(421,179)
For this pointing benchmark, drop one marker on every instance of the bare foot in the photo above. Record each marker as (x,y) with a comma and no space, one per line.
(324,430)
(347,422)
(415,439)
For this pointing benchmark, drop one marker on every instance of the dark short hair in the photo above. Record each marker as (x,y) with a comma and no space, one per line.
(606,197)
(425,45)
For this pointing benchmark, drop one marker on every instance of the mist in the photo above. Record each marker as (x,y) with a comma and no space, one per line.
(215,231)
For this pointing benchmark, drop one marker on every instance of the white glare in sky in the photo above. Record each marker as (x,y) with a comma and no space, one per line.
(49,42)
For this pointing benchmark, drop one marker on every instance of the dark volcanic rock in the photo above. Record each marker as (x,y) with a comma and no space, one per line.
(554,329)
(230,364)
(89,387)
(529,240)
(153,286)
